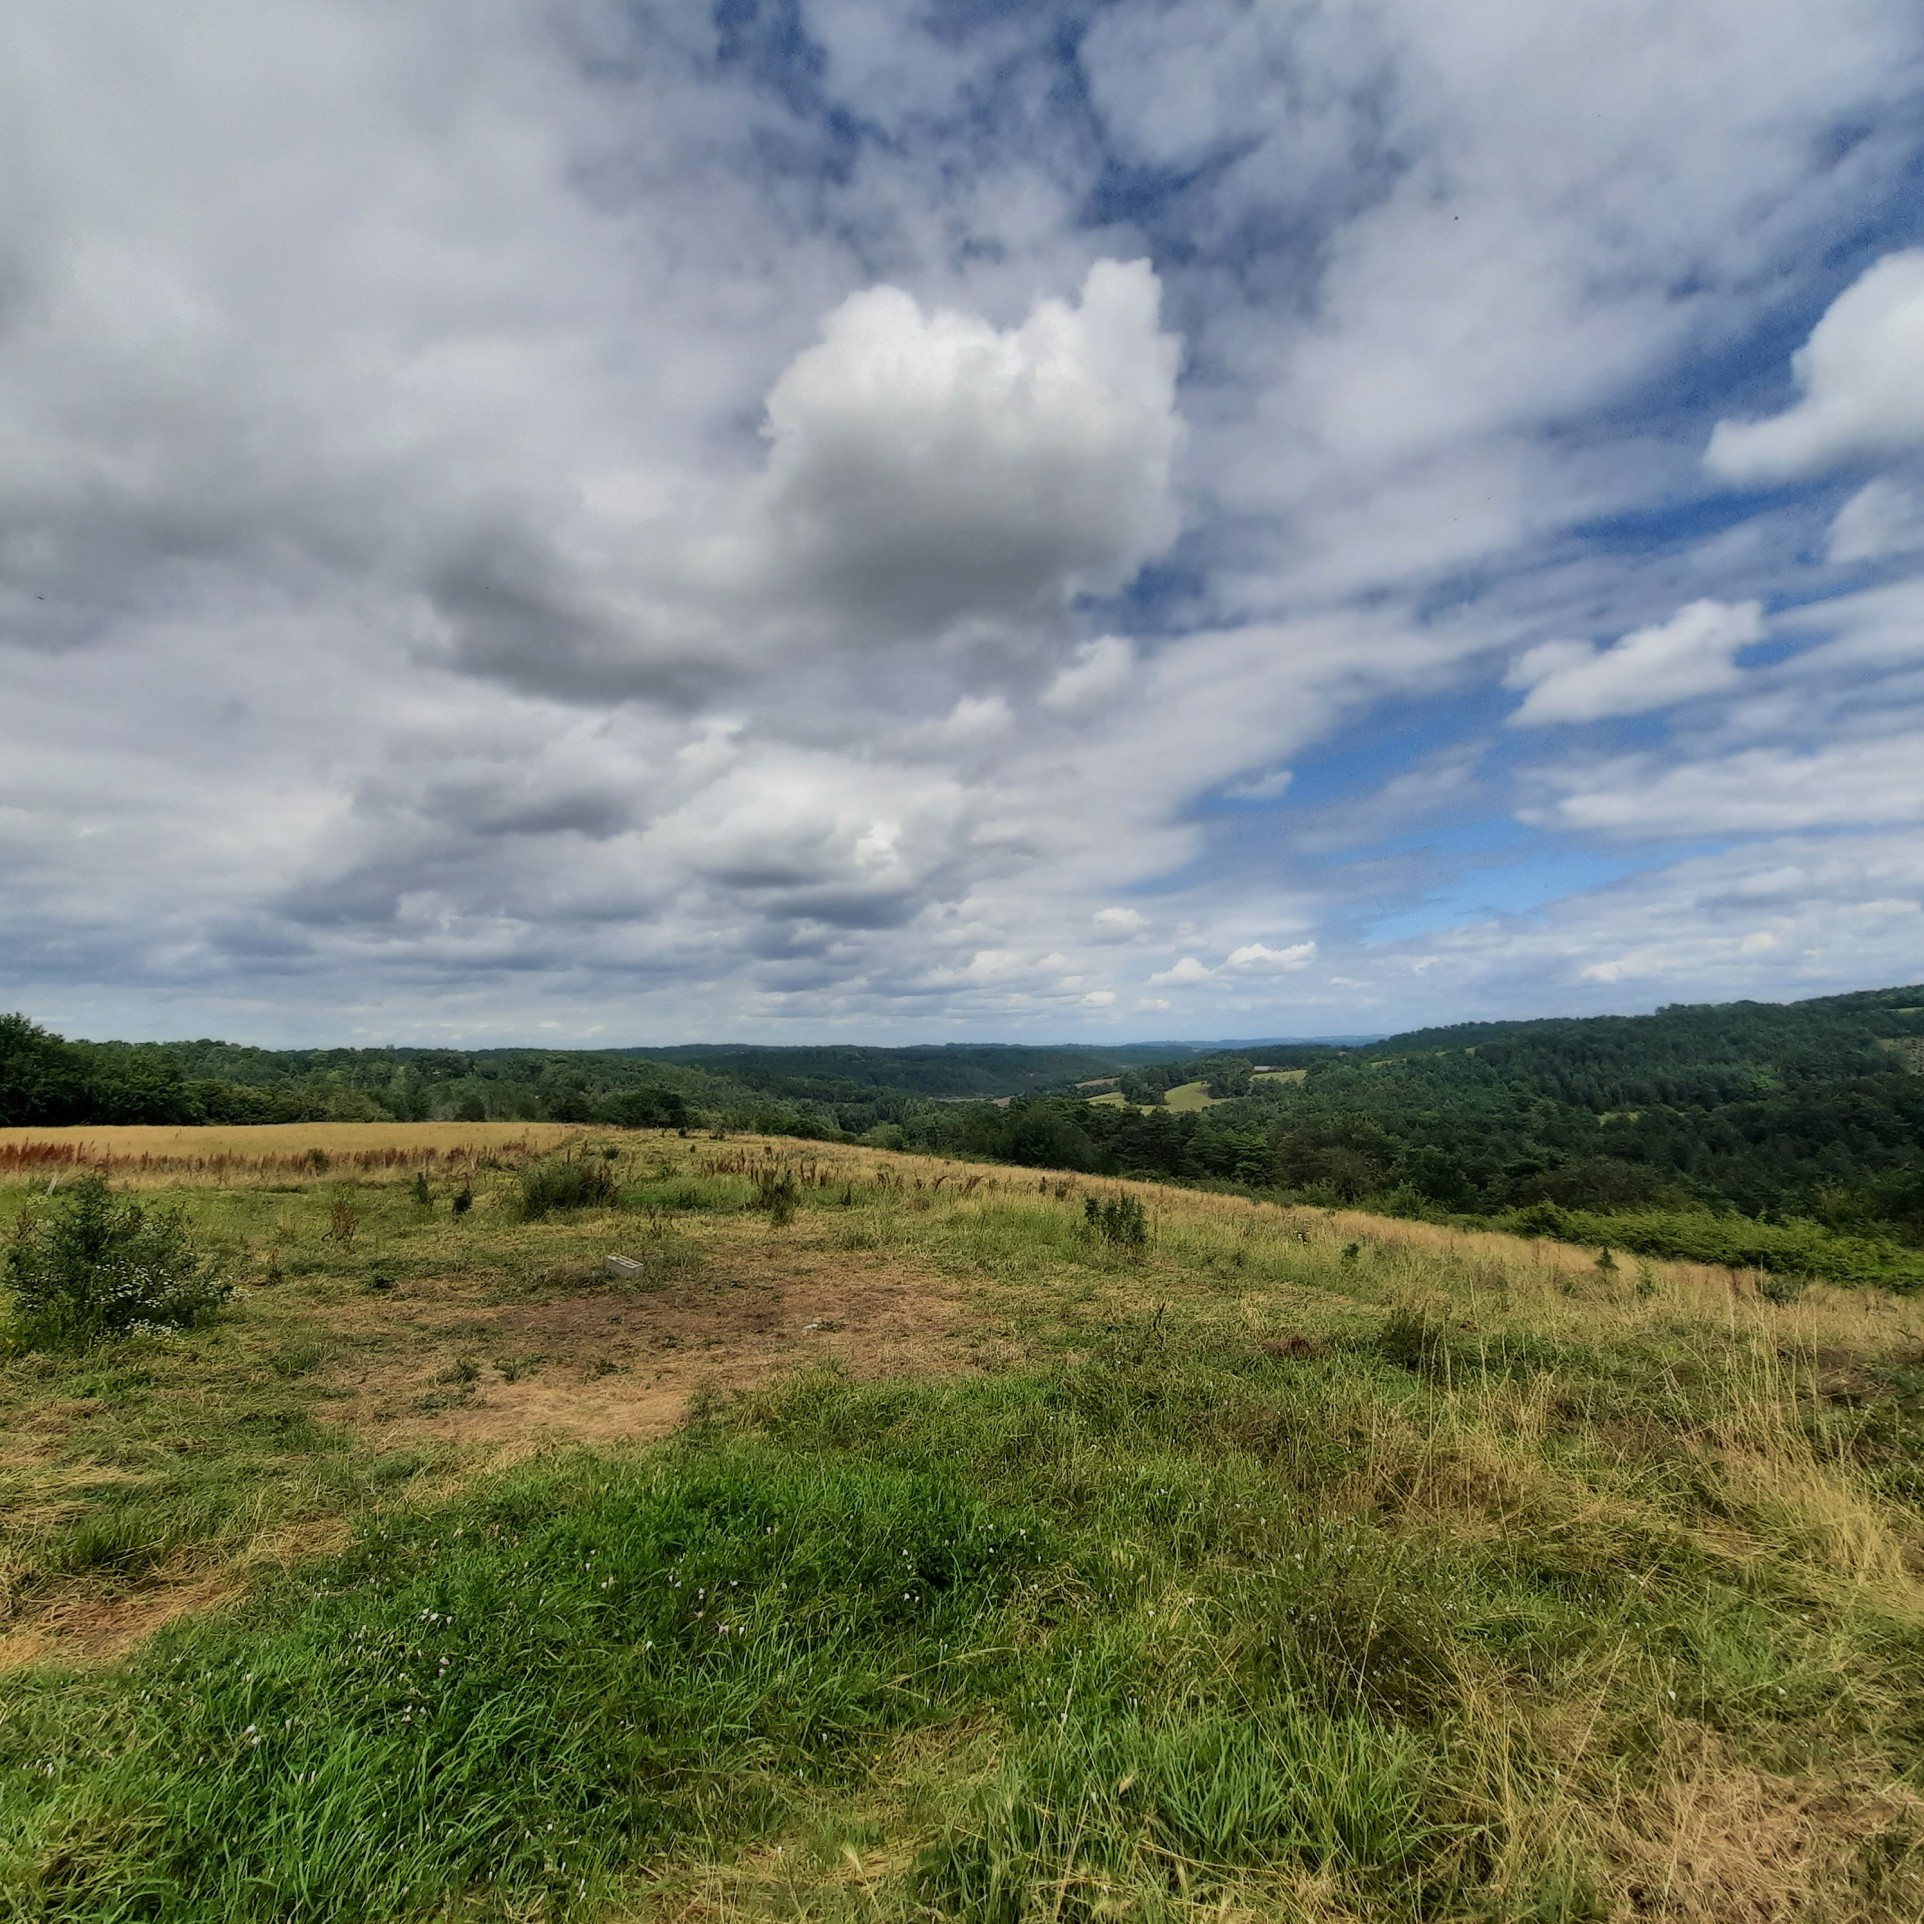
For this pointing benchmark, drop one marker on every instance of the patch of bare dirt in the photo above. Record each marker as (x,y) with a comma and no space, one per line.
(613,1363)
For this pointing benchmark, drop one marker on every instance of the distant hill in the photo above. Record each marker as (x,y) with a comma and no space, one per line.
(1635,1129)
(47,1079)
(1738,1131)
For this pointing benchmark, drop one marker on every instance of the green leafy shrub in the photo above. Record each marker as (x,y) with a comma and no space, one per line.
(88,1267)
(568,1182)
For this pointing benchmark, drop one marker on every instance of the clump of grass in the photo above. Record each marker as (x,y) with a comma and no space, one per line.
(777,1192)
(1116,1806)
(88,1266)
(568,1182)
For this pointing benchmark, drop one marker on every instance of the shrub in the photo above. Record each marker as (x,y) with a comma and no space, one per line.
(568,1182)
(91,1267)
(1119,1220)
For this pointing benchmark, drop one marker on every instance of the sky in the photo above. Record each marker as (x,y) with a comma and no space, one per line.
(594,523)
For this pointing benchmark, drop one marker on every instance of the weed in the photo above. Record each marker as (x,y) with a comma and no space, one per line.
(1414,1338)
(1118,1220)
(297,1358)
(780,1194)
(568,1182)
(343,1222)
(463,1199)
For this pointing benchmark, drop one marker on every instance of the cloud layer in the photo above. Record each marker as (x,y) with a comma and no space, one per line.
(1693,653)
(526,519)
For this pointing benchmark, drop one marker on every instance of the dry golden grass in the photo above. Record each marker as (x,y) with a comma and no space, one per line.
(159,1154)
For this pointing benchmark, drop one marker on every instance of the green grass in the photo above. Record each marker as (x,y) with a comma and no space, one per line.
(1279,1570)
(1187,1096)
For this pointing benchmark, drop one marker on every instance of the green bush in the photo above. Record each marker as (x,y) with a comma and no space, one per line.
(1739,1242)
(1119,1220)
(88,1267)
(568,1182)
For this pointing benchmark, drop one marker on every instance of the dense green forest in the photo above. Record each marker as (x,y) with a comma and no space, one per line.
(1785,1135)
(841,1090)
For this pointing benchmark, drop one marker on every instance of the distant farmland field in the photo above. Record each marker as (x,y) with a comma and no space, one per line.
(1189,1095)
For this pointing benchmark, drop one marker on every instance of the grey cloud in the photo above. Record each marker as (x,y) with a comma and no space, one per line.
(515,614)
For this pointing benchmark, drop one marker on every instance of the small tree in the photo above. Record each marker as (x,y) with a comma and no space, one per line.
(88,1267)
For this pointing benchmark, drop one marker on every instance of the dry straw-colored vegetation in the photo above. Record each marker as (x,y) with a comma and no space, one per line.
(882,1538)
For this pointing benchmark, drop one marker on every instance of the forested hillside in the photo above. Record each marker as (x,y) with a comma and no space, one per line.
(45,1079)
(1787,1135)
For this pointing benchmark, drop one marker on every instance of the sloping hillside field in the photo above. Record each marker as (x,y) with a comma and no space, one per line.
(879,1537)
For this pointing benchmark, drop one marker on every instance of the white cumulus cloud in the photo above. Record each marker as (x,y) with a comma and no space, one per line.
(1255,955)
(925,465)
(1693,653)
(1253,958)
(1188,970)
(1861,375)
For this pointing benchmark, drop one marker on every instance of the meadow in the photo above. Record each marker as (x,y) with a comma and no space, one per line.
(880,1537)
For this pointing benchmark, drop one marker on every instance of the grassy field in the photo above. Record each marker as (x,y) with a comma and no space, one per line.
(886,1543)
(1186,1096)
(212,1153)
